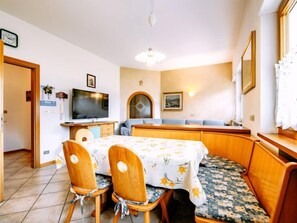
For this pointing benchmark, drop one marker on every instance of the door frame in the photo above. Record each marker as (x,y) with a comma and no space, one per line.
(35,106)
(137,93)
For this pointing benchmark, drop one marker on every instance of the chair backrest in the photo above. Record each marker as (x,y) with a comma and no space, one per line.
(79,165)
(127,174)
(83,135)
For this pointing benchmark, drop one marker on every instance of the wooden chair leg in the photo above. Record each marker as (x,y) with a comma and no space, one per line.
(70,212)
(164,211)
(146,217)
(97,209)
(116,217)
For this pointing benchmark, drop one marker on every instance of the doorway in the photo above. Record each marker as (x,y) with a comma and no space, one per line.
(35,103)
(35,113)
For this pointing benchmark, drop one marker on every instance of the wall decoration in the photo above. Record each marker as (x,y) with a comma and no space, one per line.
(91,81)
(248,65)
(172,101)
(9,38)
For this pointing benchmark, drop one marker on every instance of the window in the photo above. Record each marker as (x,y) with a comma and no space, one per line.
(286,69)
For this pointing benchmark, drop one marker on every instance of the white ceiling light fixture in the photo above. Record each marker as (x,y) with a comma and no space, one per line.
(150,57)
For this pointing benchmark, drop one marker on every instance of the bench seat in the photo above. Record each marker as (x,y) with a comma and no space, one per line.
(229,198)
(212,161)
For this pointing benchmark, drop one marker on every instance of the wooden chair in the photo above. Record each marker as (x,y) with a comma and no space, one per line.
(129,184)
(82,176)
(83,135)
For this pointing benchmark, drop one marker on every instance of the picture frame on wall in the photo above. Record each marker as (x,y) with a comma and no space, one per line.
(91,81)
(172,101)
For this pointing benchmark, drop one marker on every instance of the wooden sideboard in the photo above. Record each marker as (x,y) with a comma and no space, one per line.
(99,129)
(187,132)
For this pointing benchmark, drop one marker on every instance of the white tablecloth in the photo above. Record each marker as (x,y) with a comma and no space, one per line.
(168,163)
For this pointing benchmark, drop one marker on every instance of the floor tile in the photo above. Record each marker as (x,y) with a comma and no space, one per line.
(38,180)
(55,187)
(13,218)
(9,184)
(29,191)
(17,205)
(21,175)
(45,172)
(46,200)
(60,177)
(46,215)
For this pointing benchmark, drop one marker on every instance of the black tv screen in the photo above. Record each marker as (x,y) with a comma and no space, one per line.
(88,104)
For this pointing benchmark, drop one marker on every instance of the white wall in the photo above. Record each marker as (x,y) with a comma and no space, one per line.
(17,134)
(63,66)
(130,84)
(214,92)
(259,102)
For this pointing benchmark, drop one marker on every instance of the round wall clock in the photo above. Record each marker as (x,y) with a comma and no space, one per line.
(9,38)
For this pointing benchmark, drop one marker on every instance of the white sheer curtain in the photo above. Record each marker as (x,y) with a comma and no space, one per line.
(286,91)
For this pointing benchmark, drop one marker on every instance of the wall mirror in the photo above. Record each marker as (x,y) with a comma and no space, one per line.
(248,65)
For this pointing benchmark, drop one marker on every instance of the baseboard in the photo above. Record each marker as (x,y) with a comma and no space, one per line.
(12,151)
(47,163)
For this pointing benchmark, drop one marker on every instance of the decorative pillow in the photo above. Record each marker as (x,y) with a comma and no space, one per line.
(229,199)
(131,122)
(173,121)
(218,162)
(194,122)
(214,122)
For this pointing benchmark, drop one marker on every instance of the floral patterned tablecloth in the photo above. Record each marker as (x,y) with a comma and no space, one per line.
(168,163)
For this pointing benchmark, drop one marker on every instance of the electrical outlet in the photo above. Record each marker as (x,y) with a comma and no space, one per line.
(46,152)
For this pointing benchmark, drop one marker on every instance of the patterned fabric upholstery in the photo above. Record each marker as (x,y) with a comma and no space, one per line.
(221,163)
(103,181)
(152,194)
(228,197)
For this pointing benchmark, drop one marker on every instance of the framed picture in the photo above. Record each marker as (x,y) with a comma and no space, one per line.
(248,64)
(9,38)
(91,81)
(172,101)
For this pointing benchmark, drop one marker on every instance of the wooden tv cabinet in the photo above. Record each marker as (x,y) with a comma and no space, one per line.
(99,129)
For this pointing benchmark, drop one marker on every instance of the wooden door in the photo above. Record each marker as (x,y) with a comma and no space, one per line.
(1,123)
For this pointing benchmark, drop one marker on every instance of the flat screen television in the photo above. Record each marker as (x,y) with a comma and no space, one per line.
(88,104)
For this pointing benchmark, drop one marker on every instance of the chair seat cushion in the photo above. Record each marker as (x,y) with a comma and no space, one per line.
(154,193)
(212,161)
(103,181)
(229,198)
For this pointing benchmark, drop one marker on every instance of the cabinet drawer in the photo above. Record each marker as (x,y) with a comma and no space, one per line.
(107,129)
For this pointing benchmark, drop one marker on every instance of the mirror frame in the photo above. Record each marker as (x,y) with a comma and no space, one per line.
(249,74)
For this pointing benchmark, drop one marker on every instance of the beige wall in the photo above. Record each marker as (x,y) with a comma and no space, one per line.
(214,92)
(129,84)
(17,126)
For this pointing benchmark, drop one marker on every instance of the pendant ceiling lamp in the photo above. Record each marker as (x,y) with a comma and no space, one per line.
(149,56)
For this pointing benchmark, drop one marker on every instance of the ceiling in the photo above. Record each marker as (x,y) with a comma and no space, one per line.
(189,32)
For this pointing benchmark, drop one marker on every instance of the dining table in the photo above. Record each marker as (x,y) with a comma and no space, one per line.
(168,163)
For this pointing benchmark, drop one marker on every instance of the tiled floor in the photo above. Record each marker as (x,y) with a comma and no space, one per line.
(41,195)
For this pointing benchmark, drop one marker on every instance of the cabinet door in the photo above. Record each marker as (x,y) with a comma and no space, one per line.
(107,130)
(95,130)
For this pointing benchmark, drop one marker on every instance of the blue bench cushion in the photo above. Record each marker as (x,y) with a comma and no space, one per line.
(213,122)
(229,198)
(194,122)
(152,121)
(174,121)
(131,122)
(221,163)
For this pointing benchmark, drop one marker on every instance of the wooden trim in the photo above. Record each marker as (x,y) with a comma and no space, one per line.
(47,163)
(284,143)
(87,123)
(288,132)
(1,123)
(137,93)
(35,106)
(13,151)
(285,8)
(205,128)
